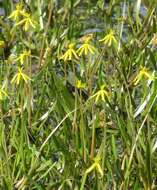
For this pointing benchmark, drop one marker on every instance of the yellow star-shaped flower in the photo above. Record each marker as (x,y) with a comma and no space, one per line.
(109,39)
(86,47)
(27,22)
(16,13)
(80,85)
(70,53)
(101,94)
(95,165)
(23,56)
(20,76)
(143,73)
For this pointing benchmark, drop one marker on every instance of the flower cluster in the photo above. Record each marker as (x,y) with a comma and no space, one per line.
(21,17)
(86,47)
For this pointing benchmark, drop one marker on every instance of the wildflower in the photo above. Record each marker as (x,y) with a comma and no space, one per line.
(109,39)
(101,94)
(26,22)
(86,47)
(70,53)
(3,94)
(96,166)
(2,43)
(80,85)
(20,76)
(16,13)
(143,73)
(23,56)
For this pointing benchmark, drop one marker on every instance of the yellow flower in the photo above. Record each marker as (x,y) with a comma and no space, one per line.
(109,39)
(16,13)
(20,76)
(96,166)
(143,73)
(23,56)
(3,94)
(80,85)
(101,94)
(70,53)
(86,47)
(26,22)
(2,43)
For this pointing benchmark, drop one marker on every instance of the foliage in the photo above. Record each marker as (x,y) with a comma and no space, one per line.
(78,95)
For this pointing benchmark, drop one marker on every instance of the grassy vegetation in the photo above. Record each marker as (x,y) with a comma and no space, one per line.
(78,95)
